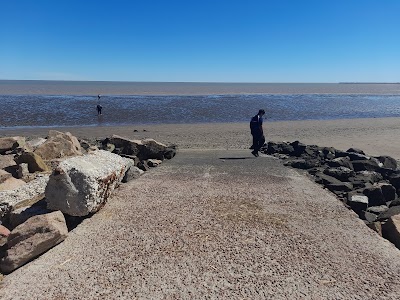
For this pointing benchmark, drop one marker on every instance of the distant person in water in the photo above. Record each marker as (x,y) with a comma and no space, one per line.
(256,128)
(99,107)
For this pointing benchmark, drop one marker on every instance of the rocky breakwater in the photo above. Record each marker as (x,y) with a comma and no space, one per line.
(368,185)
(50,184)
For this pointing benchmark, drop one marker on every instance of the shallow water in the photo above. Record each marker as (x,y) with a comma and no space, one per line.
(67,109)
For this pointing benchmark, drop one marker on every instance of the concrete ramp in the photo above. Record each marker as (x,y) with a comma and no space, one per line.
(217,225)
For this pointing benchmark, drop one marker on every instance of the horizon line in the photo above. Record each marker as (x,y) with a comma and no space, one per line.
(226,82)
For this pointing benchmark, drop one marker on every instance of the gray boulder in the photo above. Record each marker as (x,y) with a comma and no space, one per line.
(357,202)
(365,165)
(341,173)
(325,179)
(132,173)
(388,162)
(340,162)
(30,239)
(391,230)
(377,209)
(356,150)
(340,187)
(81,185)
(392,211)
(304,163)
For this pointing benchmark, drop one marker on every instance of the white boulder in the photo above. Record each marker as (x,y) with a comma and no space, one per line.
(81,185)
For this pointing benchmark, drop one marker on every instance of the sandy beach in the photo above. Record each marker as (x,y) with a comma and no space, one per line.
(376,136)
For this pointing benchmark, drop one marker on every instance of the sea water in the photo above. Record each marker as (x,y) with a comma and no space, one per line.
(64,103)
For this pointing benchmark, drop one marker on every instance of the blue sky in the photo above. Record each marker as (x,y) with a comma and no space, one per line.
(211,41)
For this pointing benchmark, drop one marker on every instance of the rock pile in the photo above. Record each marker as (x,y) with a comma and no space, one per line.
(43,182)
(368,185)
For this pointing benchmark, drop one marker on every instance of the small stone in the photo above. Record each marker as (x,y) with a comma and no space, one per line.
(154,162)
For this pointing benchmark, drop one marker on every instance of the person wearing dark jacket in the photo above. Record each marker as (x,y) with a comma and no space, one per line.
(256,128)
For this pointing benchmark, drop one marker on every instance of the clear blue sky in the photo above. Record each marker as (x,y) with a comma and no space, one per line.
(223,41)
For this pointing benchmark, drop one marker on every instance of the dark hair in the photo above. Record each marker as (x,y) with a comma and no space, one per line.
(261,111)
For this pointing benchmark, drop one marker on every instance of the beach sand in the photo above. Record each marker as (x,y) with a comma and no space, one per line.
(378,136)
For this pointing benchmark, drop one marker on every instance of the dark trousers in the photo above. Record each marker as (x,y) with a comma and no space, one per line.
(258,141)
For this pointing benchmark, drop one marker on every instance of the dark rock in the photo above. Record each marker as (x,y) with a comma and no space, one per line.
(169,153)
(356,150)
(340,173)
(375,195)
(377,209)
(388,191)
(304,164)
(326,179)
(395,202)
(391,230)
(388,162)
(329,152)
(272,148)
(340,162)
(366,176)
(395,180)
(298,148)
(356,156)
(142,165)
(340,153)
(315,170)
(392,211)
(357,202)
(286,148)
(365,165)
(342,187)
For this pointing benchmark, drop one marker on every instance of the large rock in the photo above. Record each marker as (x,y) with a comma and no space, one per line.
(24,195)
(11,143)
(357,202)
(30,239)
(20,215)
(388,162)
(34,143)
(392,211)
(326,179)
(81,185)
(4,176)
(340,162)
(34,161)
(340,187)
(132,173)
(341,173)
(143,149)
(59,144)
(391,230)
(11,184)
(355,150)
(304,163)
(365,165)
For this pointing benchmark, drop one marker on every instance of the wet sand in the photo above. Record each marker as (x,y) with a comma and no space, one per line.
(377,136)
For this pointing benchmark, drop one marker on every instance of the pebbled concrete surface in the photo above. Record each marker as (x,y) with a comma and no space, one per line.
(204,227)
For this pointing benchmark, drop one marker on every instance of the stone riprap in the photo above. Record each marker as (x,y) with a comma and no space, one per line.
(368,185)
(81,185)
(30,239)
(59,144)
(26,194)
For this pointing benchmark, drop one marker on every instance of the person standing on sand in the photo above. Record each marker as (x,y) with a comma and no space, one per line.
(256,128)
(98,107)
